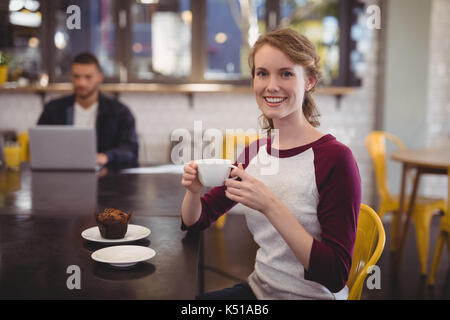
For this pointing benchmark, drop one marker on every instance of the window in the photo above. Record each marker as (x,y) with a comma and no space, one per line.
(96,34)
(319,22)
(173,41)
(328,24)
(20,25)
(161,40)
(232,28)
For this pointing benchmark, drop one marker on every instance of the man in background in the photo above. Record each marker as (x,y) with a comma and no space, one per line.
(87,107)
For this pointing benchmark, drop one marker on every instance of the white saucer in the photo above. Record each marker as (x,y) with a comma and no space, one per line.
(134,233)
(123,256)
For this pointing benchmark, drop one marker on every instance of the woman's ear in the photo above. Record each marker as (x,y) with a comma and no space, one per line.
(310,83)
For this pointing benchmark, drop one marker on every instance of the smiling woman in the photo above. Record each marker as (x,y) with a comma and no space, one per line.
(293,60)
(303,215)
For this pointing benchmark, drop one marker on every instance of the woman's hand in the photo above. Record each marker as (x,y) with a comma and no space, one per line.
(189,179)
(249,191)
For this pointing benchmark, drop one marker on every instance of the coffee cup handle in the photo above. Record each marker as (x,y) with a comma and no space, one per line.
(234,167)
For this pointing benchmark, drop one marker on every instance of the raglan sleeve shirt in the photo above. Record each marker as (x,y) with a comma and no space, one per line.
(339,186)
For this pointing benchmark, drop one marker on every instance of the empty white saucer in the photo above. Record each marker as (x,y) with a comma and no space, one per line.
(123,256)
(134,233)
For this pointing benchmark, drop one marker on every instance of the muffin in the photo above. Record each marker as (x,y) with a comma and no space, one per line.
(113,223)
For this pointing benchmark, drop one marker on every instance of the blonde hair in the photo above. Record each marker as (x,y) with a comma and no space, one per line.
(299,50)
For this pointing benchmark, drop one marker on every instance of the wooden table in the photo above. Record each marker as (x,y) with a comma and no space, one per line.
(42,215)
(425,161)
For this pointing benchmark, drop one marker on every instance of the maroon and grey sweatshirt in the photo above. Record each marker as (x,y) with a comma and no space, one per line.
(320,184)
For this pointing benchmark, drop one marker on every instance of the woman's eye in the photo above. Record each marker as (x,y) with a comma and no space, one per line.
(287,74)
(261,73)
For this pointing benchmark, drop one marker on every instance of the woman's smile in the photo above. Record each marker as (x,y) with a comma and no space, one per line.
(274,101)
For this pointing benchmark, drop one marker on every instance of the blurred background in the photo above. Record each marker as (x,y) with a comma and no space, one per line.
(177,61)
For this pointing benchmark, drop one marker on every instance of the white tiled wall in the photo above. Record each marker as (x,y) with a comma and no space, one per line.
(19,111)
(438,113)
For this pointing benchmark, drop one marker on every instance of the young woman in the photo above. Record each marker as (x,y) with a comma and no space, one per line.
(304,217)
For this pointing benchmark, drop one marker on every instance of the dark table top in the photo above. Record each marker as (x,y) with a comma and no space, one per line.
(42,215)
(82,193)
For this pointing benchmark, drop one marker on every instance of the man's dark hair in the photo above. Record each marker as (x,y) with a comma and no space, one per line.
(87,58)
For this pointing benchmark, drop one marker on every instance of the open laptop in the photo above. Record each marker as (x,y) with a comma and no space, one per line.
(63,148)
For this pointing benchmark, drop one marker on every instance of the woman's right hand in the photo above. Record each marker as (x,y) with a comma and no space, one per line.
(190,178)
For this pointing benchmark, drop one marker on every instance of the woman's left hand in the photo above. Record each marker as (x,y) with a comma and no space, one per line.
(249,191)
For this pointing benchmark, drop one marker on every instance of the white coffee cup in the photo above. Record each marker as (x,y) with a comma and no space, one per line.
(214,172)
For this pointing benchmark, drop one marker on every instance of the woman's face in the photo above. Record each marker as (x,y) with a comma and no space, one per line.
(279,84)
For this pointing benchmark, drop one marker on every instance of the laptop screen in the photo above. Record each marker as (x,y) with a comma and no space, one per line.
(63,148)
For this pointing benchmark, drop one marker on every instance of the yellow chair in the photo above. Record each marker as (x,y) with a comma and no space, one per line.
(443,238)
(24,142)
(233,145)
(369,244)
(424,206)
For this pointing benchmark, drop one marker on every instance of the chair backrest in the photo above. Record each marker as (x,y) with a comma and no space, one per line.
(376,146)
(235,143)
(446,217)
(369,244)
(24,141)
